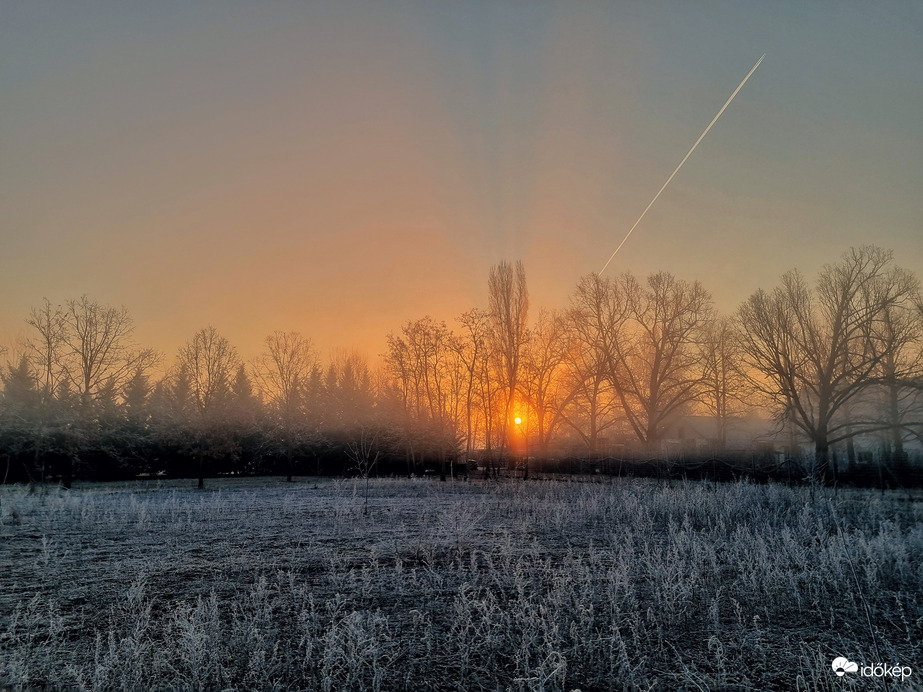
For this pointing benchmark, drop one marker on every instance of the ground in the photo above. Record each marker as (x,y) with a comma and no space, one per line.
(550,584)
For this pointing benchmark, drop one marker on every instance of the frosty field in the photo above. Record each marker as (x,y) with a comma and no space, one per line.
(539,585)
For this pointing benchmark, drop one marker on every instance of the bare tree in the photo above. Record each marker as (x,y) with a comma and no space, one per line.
(283,375)
(46,347)
(543,363)
(508,300)
(423,363)
(657,370)
(897,395)
(589,407)
(724,385)
(817,351)
(648,337)
(363,450)
(472,350)
(100,356)
(208,362)
(598,319)
(476,350)
(401,390)
(83,355)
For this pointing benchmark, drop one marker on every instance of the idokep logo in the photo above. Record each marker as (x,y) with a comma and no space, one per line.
(842,665)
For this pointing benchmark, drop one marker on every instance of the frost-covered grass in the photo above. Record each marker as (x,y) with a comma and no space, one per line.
(541,585)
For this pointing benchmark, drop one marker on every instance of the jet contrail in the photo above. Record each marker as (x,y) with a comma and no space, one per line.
(701,137)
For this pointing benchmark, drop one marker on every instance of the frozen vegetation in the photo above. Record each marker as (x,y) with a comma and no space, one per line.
(416,585)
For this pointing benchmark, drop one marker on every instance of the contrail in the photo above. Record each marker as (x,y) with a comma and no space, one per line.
(701,137)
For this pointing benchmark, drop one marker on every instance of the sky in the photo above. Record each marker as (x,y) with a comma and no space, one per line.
(337,168)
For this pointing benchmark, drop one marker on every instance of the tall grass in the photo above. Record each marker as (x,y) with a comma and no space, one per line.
(466,586)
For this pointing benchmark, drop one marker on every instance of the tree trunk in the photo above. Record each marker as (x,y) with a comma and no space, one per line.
(898,457)
(822,460)
(653,444)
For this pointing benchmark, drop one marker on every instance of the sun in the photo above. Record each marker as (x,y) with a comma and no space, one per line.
(517,420)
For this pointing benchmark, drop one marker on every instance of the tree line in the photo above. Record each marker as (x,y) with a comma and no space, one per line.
(832,361)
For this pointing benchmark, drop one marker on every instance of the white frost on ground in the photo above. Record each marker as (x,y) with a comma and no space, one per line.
(261,584)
